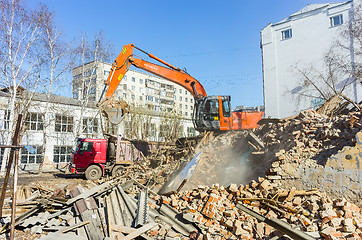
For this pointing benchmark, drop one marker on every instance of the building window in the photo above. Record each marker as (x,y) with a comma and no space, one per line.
(141,98)
(133,79)
(62,154)
(90,125)
(180,90)
(190,100)
(191,132)
(127,129)
(287,34)
(185,92)
(185,99)
(36,157)
(180,98)
(63,123)
(133,88)
(133,97)
(186,114)
(124,86)
(141,81)
(124,95)
(106,73)
(152,130)
(163,130)
(336,20)
(34,121)
(180,105)
(140,89)
(2,150)
(185,106)
(191,107)
(6,119)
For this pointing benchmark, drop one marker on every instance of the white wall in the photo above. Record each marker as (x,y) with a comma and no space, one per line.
(312,37)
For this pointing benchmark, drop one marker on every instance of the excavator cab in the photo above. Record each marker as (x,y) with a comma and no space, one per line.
(211,112)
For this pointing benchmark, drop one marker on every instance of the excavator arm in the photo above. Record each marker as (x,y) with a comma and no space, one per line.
(171,73)
(210,112)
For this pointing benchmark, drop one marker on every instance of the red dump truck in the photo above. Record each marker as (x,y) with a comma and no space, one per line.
(98,157)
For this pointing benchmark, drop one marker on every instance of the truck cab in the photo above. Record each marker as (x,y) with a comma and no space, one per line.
(89,151)
(97,157)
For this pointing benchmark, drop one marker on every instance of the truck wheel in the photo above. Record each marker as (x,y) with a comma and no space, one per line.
(93,172)
(117,170)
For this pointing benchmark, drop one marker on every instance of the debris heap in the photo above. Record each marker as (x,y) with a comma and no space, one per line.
(214,210)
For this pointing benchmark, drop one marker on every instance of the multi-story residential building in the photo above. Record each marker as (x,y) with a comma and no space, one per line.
(298,44)
(137,89)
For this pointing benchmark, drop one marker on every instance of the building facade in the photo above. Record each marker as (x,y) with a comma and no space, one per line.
(295,46)
(51,128)
(149,95)
(137,88)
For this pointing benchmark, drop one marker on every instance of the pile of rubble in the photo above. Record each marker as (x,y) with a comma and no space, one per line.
(215,211)
(108,210)
(312,150)
(310,135)
(112,211)
(307,150)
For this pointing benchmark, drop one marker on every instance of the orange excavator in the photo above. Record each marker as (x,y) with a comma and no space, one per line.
(211,113)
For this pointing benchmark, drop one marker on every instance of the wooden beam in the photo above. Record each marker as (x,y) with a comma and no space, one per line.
(139,231)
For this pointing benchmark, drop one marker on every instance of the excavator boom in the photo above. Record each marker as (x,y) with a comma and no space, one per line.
(210,112)
(171,73)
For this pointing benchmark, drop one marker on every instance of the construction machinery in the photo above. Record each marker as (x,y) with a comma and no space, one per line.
(211,113)
(96,157)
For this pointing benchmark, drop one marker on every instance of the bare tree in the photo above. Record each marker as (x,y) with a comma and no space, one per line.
(56,65)
(89,55)
(20,56)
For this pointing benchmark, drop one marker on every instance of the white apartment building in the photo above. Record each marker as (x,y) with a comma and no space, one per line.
(137,89)
(298,42)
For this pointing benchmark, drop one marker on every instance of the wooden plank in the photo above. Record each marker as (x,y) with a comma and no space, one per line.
(94,228)
(123,229)
(74,227)
(139,231)
(89,192)
(81,231)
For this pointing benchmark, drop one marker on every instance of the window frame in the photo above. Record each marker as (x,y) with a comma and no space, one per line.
(90,123)
(37,156)
(6,120)
(66,155)
(333,22)
(284,35)
(66,122)
(38,121)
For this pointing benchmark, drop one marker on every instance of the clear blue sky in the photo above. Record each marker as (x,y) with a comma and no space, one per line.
(218,42)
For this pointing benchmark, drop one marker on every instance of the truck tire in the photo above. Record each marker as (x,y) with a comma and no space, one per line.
(117,170)
(93,172)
